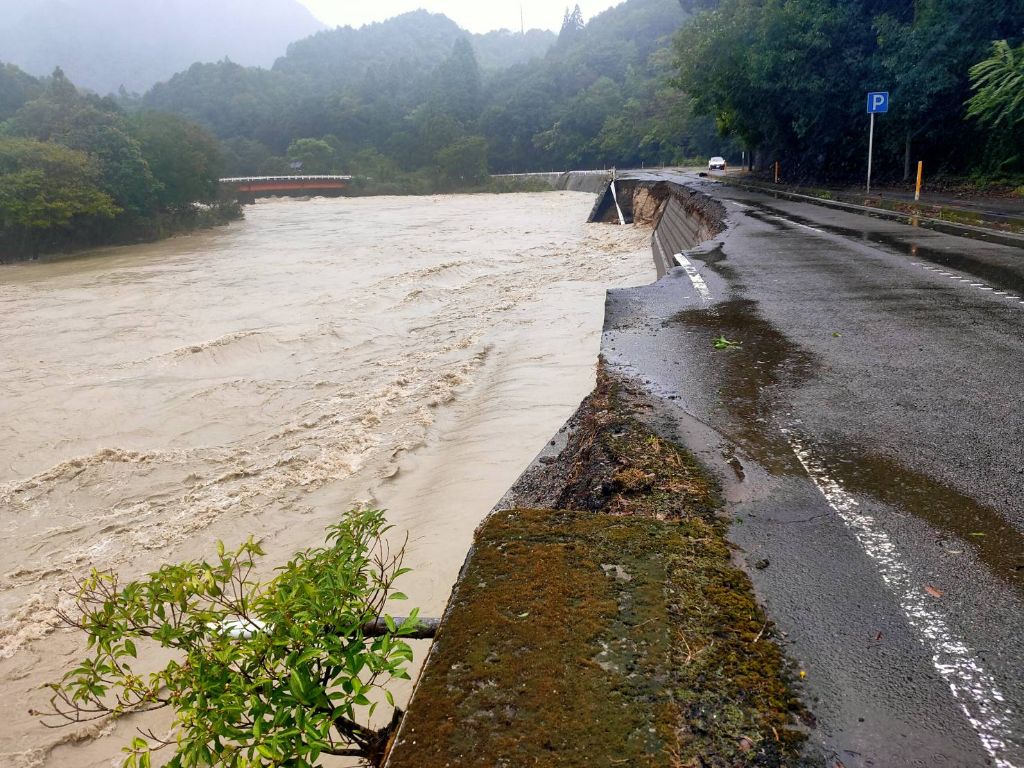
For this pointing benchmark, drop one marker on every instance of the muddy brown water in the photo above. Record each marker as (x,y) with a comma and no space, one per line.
(409,352)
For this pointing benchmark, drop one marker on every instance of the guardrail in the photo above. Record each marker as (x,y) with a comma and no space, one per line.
(247,179)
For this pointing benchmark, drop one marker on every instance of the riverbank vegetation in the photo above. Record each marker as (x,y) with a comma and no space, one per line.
(256,673)
(76,170)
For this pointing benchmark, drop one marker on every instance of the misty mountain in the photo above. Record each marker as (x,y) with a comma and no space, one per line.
(105,44)
(331,76)
(410,93)
(418,37)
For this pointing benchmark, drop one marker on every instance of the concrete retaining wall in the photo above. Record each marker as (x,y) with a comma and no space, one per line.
(681,217)
(594,182)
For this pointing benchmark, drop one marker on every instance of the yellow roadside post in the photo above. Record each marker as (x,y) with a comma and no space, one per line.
(776,171)
(920,172)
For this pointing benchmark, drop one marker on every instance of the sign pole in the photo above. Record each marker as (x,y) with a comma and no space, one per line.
(878,101)
(871,148)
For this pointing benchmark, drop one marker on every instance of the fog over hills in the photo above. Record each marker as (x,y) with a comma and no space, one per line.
(104,44)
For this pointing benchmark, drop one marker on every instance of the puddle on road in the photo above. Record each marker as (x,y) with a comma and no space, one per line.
(997,543)
(752,378)
(1003,277)
(770,220)
(714,258)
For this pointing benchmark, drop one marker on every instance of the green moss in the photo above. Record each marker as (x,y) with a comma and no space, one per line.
(612,630)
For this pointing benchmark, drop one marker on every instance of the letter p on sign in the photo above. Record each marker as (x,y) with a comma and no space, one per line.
(878,102)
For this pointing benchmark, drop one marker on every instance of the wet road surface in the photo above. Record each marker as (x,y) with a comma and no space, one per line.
(868,432)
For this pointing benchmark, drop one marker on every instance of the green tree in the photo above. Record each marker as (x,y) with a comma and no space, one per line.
(464,162)
(459,89)
(575,134)
(998,104)
(572,25)
(16,89)
(184,159)
(260,674)
(316,155)
(926,50)
(245,157)
(47,191)
(787,76)
(98,128)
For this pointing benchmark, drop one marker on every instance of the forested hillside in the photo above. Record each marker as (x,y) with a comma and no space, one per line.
(790,80)
(76,170)
(416,95)
(105,45)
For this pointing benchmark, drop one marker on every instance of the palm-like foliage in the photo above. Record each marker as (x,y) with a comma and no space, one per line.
(998,82)
(998,104)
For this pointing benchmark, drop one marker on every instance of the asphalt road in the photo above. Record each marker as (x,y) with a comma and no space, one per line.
(868,431)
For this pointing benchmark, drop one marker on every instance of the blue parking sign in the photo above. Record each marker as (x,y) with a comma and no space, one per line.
(878,102)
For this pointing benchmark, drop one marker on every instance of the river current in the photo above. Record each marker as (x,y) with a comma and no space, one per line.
(413,353)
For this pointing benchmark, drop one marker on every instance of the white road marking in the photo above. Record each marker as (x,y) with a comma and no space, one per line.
(805,226)
(691,271)
(973,688)
(695,278)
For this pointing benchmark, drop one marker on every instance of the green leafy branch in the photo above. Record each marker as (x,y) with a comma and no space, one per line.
(261,674)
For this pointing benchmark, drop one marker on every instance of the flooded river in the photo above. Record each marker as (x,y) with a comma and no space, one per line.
(413,353)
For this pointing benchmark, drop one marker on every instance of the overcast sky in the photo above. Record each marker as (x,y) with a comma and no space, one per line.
(474,15)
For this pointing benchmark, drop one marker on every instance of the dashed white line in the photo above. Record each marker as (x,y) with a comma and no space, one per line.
(973,688)
(967,280)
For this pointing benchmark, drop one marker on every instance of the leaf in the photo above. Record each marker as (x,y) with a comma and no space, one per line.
(933,591)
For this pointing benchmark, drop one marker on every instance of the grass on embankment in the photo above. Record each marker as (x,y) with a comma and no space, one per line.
(610,630)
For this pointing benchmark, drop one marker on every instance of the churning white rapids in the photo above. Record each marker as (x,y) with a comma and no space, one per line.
(413,353)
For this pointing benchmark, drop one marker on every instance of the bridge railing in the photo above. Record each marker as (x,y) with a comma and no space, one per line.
(250,179)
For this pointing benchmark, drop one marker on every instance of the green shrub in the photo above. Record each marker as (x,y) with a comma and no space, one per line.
(262,674)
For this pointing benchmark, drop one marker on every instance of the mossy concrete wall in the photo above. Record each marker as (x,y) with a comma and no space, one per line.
(599,620)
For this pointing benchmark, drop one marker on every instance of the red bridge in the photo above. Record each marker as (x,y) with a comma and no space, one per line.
(265,186)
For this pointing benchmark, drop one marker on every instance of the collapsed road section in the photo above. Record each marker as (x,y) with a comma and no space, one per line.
(849,384)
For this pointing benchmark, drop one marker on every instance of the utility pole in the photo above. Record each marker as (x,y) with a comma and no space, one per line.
(522,21)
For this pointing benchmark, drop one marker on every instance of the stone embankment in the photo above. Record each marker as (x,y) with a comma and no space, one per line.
(599,619)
